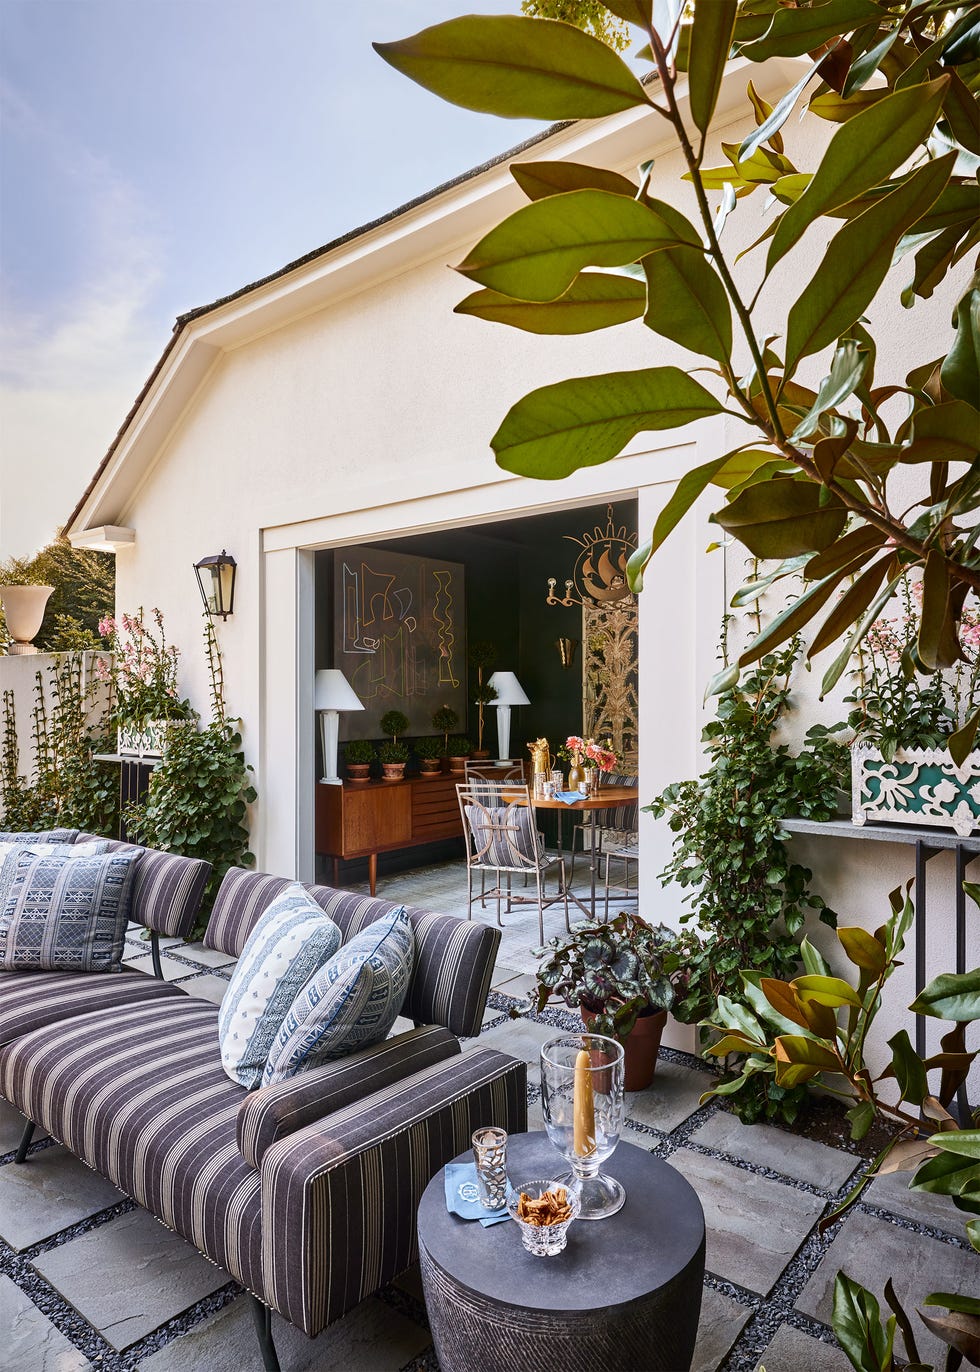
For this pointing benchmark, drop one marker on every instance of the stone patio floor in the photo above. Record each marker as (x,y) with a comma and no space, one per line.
(89,1280)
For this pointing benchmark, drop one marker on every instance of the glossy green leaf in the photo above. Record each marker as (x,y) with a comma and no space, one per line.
(711,39)
(950,1300)
(763,1007)
(762,110)
(856,543)
(516,67)
(536,253)
(850,607)
(783,518)
(960,110)
(538,180)
(832,991)
(594,300)
(861,153)
(838,110)
(907,1068)
(789,621)
(868,63)
(835,671)
(944,433)
(861,1117)
(813,960)
(961,743)
(685,493)
(863,949)
(856,262)
(777,118)
(638,12)
(960,372)
(763,166)
(973,1233)
(735,1016)
(791,33)
(687,303)
(846,372)
(857,1323)
(587,420)
(952,996)
(935,611)
(827,452)
(799,1059)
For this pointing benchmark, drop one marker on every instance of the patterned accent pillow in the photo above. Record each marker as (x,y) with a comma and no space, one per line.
(90,849)
(350,1003)
(44,836)
(292,939)
(64,913)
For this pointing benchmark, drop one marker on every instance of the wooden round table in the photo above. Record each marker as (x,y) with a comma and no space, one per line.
(625,1294)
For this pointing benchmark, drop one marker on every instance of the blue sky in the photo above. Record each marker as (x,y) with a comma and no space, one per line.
(157,154)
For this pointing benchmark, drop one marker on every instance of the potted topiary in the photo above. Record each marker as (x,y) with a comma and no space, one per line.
(358,755)
(458,749)
(613,973)
(393,757)
(429,753)
(444,721)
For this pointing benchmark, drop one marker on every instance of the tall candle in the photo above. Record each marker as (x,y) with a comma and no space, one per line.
(583,1106)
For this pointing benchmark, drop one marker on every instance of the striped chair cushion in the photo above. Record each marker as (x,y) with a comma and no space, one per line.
(354,1188)
(167,891)
(619,816)
(453,957)
(503,836)
(292,940)
(350,1003)
(64,913)
(161,1124)
(268,1115)
(30,1000)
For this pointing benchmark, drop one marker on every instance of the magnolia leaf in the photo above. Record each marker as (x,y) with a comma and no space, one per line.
(517,67)
(856,262)
(587,420)
(594,300)
(861,1117)
(935,611)
(960,1331)
(846,372)
(536,253)
(836,668)
(960,373)
(961,743)
(686,492)
(733,1043)
(721,682)
(538,180)
(789,621)
(861,153)
(831,991)
(778,116)
(711,39)
(863,949)
(633,11)
(907,1068)
(837,110)
(763,1007)
(850,607)
(761,167)
(949,1300)
(782,518)
(868,63)
(792,33)
(728,199)
(784,1000)
(751,590)
(687,303)
(799,1059)
(944,433)
(762,110)
(907,1155)
(813,960)
(857,543)
(960,110)
(857,1323)
(952,996)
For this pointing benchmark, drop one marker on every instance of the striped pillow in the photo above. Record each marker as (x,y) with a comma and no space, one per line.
(292,939)
(64,913)
(350,1003)
(503,836)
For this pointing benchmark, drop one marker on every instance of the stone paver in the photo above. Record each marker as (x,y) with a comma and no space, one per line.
(793,1351)
(171,968)
(207,957)
(802,1159)
(871,1250)
(206,987)
(754,1225)
(130,1276)
(47,1193)
(891,1192)
(29,1341)
(521,1038)
(722,1320)
(670,1099)
(12,1124)
(372,1338)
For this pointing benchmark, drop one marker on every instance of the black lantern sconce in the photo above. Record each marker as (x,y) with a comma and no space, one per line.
(216,578)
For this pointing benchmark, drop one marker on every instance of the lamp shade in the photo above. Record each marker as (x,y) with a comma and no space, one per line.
(509,689)
(332,691)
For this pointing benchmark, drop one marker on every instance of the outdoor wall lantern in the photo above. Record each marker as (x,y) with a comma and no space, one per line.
(216,578)
(509,692)
(332,692)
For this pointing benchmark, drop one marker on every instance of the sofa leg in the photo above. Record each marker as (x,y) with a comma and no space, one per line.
(262,1316)
(155,955)
(25,1142)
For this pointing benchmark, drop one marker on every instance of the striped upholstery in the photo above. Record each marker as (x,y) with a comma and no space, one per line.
(453,957)
(268,1115)
(30,1000)
(617,816)
(161,1127)
(168,889)
(353,1188)
(503,836)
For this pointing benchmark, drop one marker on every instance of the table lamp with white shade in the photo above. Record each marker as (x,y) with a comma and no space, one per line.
(509,692)
(332,693)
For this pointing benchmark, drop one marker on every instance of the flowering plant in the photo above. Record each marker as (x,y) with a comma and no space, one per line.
(576,749)
(895,706)
(143,671)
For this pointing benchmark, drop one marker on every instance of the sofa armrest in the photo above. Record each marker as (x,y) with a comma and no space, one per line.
(339,1198)
(271,1113)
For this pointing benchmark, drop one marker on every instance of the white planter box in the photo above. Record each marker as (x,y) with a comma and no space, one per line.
(146,742)
(921,786)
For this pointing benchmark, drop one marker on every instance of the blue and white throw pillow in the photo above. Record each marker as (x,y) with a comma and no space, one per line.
(291,941)
(27,839)
(89,849)
(350,1003)
(61,912)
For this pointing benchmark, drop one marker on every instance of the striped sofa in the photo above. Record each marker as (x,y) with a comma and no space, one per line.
(305,1191)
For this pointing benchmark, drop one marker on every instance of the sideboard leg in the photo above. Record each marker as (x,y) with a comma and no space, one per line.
(262,1318)
(25,1142)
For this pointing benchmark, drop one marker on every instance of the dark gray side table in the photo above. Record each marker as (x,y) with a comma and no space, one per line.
(624,1296)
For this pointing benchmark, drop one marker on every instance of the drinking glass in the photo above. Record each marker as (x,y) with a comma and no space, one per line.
(582,1103)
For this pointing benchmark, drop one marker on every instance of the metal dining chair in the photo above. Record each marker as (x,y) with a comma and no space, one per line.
(618,819)
(501,839)
(623,846)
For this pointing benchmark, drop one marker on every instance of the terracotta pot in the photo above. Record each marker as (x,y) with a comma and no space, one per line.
(430,767)
(23,608)
(641,1048)
(457,765)
(358,771)
(393,771)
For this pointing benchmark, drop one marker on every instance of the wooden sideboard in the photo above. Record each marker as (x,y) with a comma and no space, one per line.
(363,819)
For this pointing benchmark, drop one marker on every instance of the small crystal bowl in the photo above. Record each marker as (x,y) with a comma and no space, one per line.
(543,1240)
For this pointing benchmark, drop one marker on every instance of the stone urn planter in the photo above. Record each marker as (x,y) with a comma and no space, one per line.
(920,786)
(23,608)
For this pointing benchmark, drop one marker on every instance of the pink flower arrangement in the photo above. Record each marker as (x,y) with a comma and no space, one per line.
(576,749)
(143,670)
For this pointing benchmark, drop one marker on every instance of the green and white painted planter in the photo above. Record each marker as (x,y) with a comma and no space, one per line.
(150,741)
(921,786)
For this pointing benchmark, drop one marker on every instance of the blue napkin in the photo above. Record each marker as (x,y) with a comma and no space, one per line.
(463,1198)
(569,797)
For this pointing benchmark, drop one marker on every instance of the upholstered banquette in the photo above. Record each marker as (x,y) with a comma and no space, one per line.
(305,1191)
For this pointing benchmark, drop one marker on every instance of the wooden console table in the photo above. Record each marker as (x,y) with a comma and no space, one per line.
(363,819)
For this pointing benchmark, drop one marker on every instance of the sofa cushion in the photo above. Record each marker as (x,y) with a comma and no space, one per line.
(30,1000)
(42,836)
(291,940)
(503,836)
(453,957)
(139,1094)
(350,1003)
(167,891)
(64,913)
